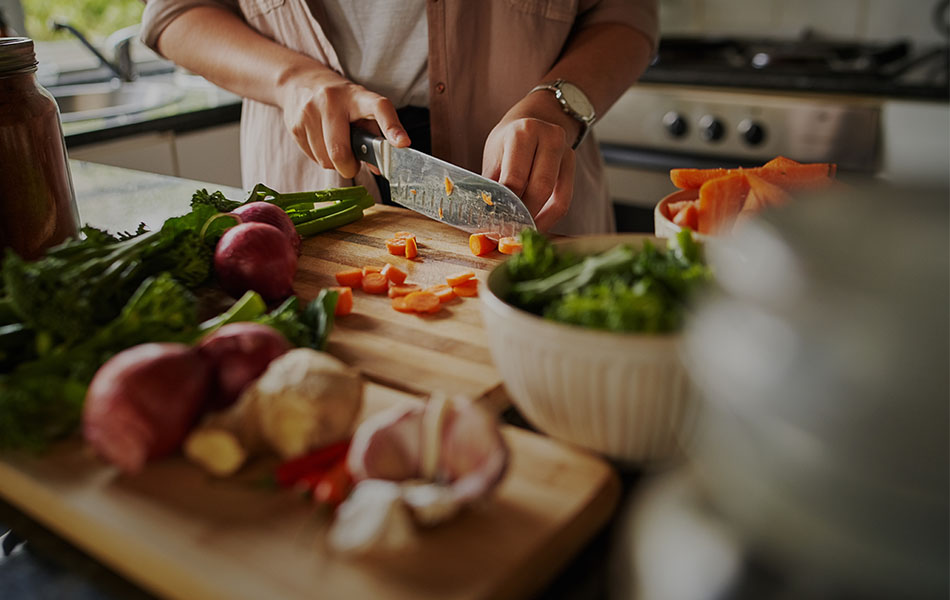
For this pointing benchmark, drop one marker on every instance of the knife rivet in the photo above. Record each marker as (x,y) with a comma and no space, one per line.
(440,87)
(363,149)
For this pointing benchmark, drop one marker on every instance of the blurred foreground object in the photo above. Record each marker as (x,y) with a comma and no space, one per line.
(821,445)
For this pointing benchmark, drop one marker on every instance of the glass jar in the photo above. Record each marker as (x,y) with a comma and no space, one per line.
(37,201)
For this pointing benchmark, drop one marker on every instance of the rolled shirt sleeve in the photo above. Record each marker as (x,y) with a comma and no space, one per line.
(638,14)
(159,13)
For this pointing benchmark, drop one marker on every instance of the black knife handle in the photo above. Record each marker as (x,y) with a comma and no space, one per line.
(362,143)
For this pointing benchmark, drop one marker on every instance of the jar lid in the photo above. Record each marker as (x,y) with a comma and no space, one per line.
(16,55)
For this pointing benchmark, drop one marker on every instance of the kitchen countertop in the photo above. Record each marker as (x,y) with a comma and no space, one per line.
(118,199)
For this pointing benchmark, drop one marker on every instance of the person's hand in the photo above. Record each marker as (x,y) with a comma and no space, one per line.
(318,107)
(529,151)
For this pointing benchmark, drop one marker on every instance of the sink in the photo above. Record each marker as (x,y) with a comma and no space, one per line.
(110,99)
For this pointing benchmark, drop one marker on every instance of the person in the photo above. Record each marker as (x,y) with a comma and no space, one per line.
(486,71)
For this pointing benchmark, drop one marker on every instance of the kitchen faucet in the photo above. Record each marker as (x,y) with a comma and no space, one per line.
(121,42)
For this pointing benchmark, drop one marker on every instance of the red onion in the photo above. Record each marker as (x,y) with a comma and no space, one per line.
(142,402)
(265,212)
(238,353)
(256,256)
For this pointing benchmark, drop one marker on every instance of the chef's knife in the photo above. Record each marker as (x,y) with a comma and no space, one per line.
(441,190)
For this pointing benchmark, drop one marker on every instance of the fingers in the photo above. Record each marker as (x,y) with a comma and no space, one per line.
(560,200)
(382,111)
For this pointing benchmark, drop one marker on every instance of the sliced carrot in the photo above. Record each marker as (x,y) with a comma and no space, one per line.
(781,161)
(688,216)
(763,194)
(411,248)
(443,292)
(399,303)
(466,288)
(458,278)
(396,246)
(782,173)
(350,277)
(375,283)
(401,290)
(440,212)
(423,302)
(720,200)
(509,245)
(480,244)
(486,198)
(368,269)
(344,302)
(394,273)
(449,186)
(675,207)
(401,235)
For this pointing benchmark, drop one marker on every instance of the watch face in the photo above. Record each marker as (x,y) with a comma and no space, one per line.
(577,100)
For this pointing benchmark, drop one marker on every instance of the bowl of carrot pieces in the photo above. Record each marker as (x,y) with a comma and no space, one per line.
(711,201)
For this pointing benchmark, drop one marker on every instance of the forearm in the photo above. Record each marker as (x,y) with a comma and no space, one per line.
(218,45)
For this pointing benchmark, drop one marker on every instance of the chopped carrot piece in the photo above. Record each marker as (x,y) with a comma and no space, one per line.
(413,192)
(781,161)
(399,303)
(394,273)
(443,292)
(375,283)
(440,212)
(402,290)
(674,207)
(449,186)
(367,270)
(344,302)
(456,279)
(486,198)
(396,246)
(720,201)
(350,277)
(781,173)
(411,248)
(480,244)
(466,288)
(509,245)
(401,235)
(688,217)
(763,194)
(423,302)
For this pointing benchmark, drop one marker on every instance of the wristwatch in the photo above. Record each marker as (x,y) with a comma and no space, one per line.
(574,102)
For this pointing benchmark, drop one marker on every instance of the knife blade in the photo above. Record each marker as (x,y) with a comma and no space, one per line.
(441,190)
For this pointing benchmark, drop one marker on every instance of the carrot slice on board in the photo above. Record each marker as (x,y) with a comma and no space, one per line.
(509,245)
(399,303)
(344,302)
(763,194)
(443,292)
(457,278)
(401,290)
(396,246)
(720,200)
(480,244)
(368,269)
(411,248)
(688,217)
(402,235)
(375,283)
(466,288)
(350,277)
(394,273)
(423,302)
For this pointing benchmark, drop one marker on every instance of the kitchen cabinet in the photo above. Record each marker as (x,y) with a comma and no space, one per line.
(151,152)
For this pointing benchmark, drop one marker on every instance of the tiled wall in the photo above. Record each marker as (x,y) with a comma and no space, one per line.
(875,20)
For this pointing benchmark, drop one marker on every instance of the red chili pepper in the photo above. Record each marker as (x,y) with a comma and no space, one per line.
(335,485)
(311,467)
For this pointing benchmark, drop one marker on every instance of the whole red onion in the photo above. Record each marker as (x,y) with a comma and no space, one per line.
(238,353)
(142,402)
(255,256)
(265,212)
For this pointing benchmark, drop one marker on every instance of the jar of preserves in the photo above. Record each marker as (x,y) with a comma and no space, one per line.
(37,201)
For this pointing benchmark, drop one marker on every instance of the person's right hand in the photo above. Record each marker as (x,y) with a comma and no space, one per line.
(318,107)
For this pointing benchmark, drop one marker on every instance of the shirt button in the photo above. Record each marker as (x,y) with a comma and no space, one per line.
(440,87)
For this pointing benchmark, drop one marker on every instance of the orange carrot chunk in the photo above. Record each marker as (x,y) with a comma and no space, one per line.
(401,235)
(781,161)
(674,207)
(720,201)
(401,290)
(456,279)
(763,194)
(423,302)
(411,248)
(396,246)
(375,283)
(443,292)
(367,270)
(344,302)
(509,245)
(480,244)
(781,173)
(688,216)
(352,278)
(394,273)
(449,186)
(399,303)
(466,288)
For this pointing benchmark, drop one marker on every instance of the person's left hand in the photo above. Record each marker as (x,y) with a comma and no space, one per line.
(529,151)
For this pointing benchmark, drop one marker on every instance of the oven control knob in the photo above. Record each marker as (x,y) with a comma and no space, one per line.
(752,132)
(711,128)
(675,124)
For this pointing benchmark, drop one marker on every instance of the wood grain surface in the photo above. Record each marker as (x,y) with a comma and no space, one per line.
(184,535)
(447,351)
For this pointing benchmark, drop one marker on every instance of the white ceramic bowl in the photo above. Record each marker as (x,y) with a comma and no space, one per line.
(623,395)
(663,225)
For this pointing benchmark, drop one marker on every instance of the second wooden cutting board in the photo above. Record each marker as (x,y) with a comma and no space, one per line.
(445,352)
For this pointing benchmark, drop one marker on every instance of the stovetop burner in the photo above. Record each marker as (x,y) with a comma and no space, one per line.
(896,69)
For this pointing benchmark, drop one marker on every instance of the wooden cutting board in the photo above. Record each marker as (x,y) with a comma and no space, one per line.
(183,535)
(447,351)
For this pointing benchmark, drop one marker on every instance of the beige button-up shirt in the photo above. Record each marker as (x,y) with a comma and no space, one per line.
(484,56)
